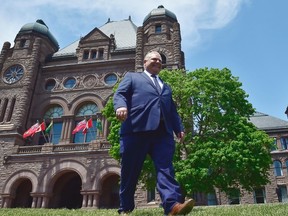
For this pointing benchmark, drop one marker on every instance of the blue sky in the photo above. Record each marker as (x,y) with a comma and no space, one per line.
(249,37)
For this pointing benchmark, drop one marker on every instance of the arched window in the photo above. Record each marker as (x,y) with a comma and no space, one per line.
(286,163)
(163,59)
(87,109)
(85,113)
(284,142)
(54,124)
(277,168)
(274,147)
(54,112)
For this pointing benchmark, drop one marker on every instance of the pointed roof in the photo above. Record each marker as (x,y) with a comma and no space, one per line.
(265,122)
(124,32)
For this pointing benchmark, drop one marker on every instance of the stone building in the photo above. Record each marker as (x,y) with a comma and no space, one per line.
(276,190)
(42,83)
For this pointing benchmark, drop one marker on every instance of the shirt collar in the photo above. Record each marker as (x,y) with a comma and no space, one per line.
(149,74)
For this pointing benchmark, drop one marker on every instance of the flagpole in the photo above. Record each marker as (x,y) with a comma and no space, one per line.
(51,133)
(49,137)
(99,126)
(50,127)
(48,134)
(44,136)
(92,130)
(86,133)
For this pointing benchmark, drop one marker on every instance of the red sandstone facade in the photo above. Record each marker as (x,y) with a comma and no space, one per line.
(39,81)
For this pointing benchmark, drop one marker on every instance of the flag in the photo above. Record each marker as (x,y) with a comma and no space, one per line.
(48,129)
(99,125)
(31,131)
(41,127)
(89,124)
(80,126)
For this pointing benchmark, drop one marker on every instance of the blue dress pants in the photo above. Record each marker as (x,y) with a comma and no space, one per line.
(134,148)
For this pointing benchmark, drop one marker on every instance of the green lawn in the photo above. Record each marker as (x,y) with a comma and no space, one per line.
(245,210)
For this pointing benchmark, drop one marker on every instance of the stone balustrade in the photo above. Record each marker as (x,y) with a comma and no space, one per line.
(71,147)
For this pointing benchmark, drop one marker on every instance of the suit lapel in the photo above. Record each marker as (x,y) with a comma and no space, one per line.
(148,79)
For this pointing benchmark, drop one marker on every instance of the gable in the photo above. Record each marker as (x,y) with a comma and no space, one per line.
(95,35)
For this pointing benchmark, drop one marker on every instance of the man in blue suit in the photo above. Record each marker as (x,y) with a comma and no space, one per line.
(143,102)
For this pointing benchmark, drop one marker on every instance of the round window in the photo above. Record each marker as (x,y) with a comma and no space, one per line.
(69,83)
(110,79)
(13,74)
(50,84)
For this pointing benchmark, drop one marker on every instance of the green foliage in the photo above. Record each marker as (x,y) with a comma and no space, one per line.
(222,148)
(113,136)
(247,210)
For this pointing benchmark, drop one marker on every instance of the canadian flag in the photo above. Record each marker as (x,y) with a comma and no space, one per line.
(41,127)
(89,124)
(80,126)
(31,131)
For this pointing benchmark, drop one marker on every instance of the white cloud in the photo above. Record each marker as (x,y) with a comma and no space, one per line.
(68,20)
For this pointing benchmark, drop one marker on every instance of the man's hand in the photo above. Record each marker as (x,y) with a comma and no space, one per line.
(121,113)
(180,136)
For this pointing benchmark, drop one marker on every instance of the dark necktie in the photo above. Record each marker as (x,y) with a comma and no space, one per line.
(156,83)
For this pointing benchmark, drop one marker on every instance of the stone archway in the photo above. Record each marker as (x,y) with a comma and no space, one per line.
(21,190)
(23,184)
(66,192)
(109,197)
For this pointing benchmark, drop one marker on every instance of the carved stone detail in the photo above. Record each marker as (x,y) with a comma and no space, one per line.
(90,81)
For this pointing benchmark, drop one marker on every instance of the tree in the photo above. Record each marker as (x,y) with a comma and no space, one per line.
(222,148)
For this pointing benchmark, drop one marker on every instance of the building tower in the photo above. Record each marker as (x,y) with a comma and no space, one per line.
(19,68)
(160,32)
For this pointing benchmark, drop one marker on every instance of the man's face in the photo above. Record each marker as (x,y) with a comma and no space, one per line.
(153,64)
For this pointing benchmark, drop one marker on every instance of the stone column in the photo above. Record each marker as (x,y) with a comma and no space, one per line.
(139,49)
(44,202)
(96,197)
(90,199)
(66,130)
(6,200)
(34,202)
(177,47)
(39,202)
(4,53)
(10,105)
(84,201)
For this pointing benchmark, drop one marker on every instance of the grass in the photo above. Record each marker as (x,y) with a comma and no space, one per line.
(242,210)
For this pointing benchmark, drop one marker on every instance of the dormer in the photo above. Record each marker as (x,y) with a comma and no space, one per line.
(95,46)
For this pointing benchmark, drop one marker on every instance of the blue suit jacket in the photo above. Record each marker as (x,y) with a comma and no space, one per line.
(138,93)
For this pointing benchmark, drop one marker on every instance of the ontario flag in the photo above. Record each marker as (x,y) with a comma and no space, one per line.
(89,124)
(80,126)
(31,131)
